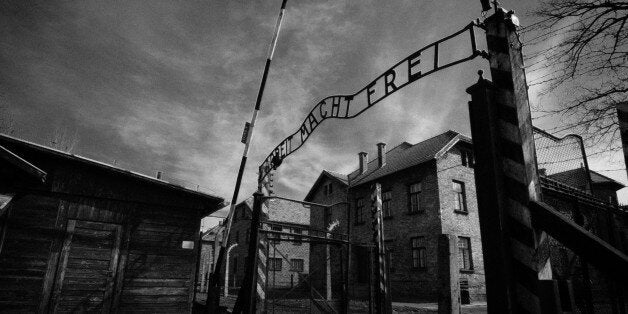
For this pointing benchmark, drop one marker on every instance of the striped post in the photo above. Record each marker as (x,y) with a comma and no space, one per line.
(382,303)
(516,254)
(262,269)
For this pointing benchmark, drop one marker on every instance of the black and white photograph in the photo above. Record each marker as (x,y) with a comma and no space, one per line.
(314,156)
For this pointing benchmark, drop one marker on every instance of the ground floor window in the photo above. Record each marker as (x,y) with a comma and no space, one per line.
(275,264)
(464,258)
(418,253)
(297,264)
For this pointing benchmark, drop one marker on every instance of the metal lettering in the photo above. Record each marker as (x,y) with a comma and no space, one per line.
(368,96)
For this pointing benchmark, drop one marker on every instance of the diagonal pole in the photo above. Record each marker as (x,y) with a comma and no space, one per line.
(247,136)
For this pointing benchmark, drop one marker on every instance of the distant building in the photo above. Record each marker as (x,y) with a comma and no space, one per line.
(211,241)
(428,189)
(287,259)
(78,235)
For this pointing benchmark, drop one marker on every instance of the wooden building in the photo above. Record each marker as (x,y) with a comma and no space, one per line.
(79,235)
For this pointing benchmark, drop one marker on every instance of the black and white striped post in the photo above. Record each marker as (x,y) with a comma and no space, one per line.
(516,253)
(382,295)
(213,297)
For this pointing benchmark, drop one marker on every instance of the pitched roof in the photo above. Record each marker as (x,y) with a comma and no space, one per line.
(340,178)
(278,207)
(406,155)
(16,142)
(578,179)
(400,157)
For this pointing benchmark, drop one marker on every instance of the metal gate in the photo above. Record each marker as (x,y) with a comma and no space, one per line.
(303,255)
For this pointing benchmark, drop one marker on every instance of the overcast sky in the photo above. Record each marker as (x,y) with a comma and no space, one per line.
(168,85)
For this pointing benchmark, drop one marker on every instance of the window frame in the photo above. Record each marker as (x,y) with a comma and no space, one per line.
(390,255)
(360,214)
(418,198)
(421,249)
(297,240)
(295,269)
(461,254)
(275,238)
(273,264)
(467,159)
(457,200)
(387,205)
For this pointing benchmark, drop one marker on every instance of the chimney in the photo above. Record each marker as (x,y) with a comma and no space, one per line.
(158,174)
(364,160)
(381,154)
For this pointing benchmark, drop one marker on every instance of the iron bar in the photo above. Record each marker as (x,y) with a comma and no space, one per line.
(216,275)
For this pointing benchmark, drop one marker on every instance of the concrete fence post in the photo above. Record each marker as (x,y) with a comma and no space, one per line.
(448,275)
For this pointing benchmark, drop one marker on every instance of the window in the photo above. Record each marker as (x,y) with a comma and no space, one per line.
(415,194)
(275,264)
(327,216)
(359,210)
(390,252)
(248,235)
(235,265)
(296,264)
(328,189)
(466,157)
(418,252)
(460,198)
(464,258)
(275,237)
(386,200)
(297,238)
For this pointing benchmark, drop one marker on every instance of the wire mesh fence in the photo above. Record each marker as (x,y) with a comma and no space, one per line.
(305,259)
(562,159)
(567,185)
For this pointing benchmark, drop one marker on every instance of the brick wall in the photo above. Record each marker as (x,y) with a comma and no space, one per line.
(326,259)
(458,223)
(407,283)
(287,212)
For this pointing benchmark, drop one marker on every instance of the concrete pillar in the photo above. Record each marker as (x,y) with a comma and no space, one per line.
(516,254)
(448,275)
(622,118)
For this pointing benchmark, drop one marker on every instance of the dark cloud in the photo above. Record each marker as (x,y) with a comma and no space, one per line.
(168,85)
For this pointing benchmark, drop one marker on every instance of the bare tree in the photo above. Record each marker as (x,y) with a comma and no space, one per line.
(579,51)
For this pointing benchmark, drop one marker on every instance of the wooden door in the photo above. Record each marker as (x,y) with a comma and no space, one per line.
(87,267)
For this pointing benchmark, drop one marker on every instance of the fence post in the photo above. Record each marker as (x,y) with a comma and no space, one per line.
(516,255)
(247,297)
(382,295)
(448,275)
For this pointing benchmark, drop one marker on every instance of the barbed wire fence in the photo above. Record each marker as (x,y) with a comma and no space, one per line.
(567,185)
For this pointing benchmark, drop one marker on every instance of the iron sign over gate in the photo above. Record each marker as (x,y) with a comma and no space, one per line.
(398,76)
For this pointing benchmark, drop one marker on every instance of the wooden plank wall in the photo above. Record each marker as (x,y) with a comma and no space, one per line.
(155,274)
(24,257)
(159,273)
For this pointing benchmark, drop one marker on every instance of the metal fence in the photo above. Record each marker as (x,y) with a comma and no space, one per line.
(303,250)
(567,186)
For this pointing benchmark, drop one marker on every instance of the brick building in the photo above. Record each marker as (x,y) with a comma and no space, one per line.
(211,240)
(288,259)
(428,189)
